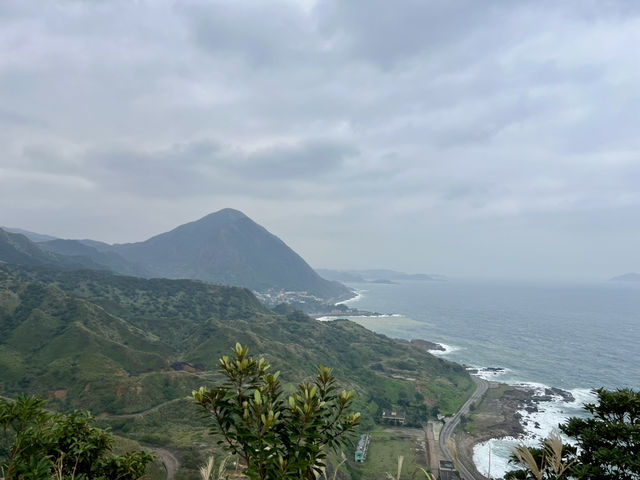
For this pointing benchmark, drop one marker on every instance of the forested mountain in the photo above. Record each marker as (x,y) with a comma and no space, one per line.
(225,247)
(33,236)
(228,247)
(122,344)
(375,276)
(16,248)
(103,257)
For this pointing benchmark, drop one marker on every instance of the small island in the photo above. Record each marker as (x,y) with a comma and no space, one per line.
(627,277)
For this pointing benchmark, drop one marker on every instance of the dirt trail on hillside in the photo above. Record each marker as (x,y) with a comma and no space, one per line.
(144,412)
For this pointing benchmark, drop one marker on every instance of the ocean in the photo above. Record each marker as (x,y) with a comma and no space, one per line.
(572,336)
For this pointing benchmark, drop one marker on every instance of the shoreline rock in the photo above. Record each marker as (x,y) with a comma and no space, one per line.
(426,345)
(497,415)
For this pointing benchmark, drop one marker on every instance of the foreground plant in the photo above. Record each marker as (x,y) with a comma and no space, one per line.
(207,473)
(45,445)
(277,438)
(608,444)
(609,440)
(552,462)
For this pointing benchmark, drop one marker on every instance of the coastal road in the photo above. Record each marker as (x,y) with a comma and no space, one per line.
(451,424)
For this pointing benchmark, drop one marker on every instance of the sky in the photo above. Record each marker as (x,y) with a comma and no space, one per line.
(459,137)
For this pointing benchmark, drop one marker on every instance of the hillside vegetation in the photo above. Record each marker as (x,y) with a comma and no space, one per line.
(124,345)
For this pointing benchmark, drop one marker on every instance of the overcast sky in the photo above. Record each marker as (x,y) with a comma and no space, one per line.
(466,138)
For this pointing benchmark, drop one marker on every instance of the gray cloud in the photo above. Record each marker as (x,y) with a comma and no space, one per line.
(451,135)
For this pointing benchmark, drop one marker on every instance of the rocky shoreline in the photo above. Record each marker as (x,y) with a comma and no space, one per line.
(498,415)
(426,345)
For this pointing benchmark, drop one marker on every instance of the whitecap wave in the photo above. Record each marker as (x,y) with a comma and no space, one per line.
(359,296)
(550,414)
(447,349)
(492,457)
(359,318)
(537,426)
(488,373)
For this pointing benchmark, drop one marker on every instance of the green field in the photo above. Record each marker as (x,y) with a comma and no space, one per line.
(387,445)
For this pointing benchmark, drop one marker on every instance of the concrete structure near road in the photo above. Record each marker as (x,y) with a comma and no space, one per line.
(397,418)
(447,471)
(363,447)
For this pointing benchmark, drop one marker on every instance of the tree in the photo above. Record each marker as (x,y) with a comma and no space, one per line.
(277,439)
(609,441)
(608,444)
(44,445)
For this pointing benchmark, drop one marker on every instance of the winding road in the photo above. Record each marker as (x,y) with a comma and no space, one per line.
(451,424)
(170,462)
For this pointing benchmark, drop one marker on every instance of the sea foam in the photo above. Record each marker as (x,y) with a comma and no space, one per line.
(359,296)
(447,349)
(537,426)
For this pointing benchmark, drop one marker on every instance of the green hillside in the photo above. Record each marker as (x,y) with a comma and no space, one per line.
(109,260)
(16,248)
(123,345)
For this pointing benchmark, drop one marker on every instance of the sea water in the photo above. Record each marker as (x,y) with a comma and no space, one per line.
(573,336)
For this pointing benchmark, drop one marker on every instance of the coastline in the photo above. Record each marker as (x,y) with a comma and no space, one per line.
(508,414)
(495,416)
(511,414)
(527,414)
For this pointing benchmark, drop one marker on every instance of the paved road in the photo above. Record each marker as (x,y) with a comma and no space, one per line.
(171,463)
(453,422)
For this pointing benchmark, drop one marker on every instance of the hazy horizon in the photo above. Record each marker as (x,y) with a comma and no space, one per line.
(346,268)
(451,137)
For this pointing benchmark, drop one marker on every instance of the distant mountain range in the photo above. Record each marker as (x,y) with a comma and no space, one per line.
(225,247)
(627,277)
(376,276)
(17,249)
(34,237)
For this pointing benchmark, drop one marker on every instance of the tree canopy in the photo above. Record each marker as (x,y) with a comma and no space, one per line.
(608,444)
(608,441)
(40,445)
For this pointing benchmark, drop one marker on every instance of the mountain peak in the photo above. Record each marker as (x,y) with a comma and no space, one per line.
(230,213)
(228,247)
